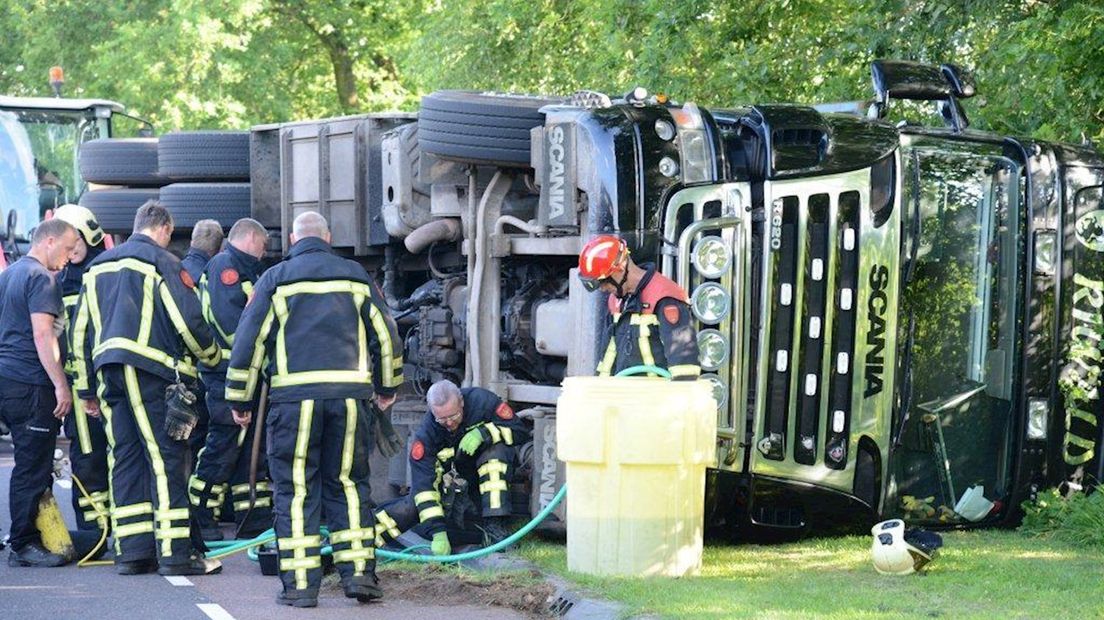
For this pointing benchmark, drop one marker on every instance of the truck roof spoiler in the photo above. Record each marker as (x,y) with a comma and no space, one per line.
(904,79)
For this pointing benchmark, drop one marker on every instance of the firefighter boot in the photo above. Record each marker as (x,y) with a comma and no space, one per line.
(363,588)
(298,598)
(136,567)
(495,529)
(195,564)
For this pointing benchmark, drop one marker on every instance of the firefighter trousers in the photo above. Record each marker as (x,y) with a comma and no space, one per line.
(149,480)
(318,460)
(88,461)
(488,483)
(223,466)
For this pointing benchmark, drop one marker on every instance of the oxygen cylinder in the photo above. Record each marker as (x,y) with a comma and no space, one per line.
(50,524)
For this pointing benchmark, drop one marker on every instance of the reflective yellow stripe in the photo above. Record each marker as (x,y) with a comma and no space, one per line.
(262,502)
(492,485)
(279,306)
(685,370)
(383,333)
(320,376)
(330,286)
(446,454)
(606,365)
(237,374)
(429,513)
(363,355)
(168,534)
(427,496)
(247,288)
(131,529)
(350,535)
(151,353)
(146,310)
(300,566)
(80,418)
(299,542)
(105,411)
(507,435)
(255,364)
(132,510)
(80,333)
(643,322)
(171,514)
(209,313)
(161,479)
(354,535)
(299,482)
(357,556)
(388,524)
(496,436)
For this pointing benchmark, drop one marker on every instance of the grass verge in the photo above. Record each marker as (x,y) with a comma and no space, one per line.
(981,574)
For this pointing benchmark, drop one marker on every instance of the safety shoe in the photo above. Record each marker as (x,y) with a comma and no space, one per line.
(34,554)
(363,588)
(495,530)
(195,565)
(136,567)
(298,598)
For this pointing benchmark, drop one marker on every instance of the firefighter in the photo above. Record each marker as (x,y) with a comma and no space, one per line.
(223,464)
(34,393)
(468,434)
(651,319)
(206,242)
(331,347)
(138,324)
(88,440)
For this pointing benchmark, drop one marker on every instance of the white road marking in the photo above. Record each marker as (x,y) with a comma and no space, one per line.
(178,580)
(214,611)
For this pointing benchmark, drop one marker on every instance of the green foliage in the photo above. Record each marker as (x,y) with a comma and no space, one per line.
(230,63)
(1077,519)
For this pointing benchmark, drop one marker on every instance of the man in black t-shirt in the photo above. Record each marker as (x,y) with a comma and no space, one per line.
(34,393)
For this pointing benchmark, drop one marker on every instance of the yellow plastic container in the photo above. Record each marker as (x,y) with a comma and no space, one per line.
(636,450)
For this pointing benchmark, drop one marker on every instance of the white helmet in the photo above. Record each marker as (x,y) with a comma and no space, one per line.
(898,551)
(83,220)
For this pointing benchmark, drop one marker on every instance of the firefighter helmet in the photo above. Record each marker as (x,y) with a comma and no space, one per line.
(83,220)
(599,258)
(899,551)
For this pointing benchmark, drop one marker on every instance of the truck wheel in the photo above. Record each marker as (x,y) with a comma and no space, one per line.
(483,128)
(121,161)
(204,155)
(225,203)
(115,207)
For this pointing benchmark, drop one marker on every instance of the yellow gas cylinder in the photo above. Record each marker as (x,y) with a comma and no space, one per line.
(51,525)
(636,450)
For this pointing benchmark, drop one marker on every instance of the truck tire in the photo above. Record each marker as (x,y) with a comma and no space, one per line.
(121,161)
(483,128)
(204,155)
(225,203)
(114,207)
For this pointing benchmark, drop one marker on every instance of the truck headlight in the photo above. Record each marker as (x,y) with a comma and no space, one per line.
(694,146)
(720,390)
(710,303)
(712,349)
(711,257)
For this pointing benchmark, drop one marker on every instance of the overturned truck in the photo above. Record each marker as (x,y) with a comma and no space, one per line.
(897,320)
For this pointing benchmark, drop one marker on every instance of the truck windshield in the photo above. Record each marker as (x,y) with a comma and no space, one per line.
(962,297)
(38,162)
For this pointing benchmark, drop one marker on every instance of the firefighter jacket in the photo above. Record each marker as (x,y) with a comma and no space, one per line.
(137,307)
(435,448)
(70,279)
(194,262)
(224,288)
(651,326)
(323,327)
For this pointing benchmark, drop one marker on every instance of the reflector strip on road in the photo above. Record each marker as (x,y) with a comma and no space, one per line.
(214,611)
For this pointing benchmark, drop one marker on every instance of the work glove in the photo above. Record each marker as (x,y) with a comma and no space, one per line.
(180,414)
(470,442)
(387,440)
(440,544)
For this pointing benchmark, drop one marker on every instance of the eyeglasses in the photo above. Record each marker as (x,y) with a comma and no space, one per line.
(449,418)
(593,284)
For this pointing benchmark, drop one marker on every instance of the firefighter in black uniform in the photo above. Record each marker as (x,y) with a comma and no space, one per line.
(88,440)
(331,346)
(206,242)
(138,322)
(651,319)
(469,433)
(223,465)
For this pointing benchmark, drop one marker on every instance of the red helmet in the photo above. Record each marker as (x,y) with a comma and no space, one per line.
(599,258)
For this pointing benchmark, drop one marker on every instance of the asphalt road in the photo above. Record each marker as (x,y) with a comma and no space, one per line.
(239,592)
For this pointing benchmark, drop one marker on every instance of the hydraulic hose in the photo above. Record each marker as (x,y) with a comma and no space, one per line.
(102,521)
(643,368)
(230,548)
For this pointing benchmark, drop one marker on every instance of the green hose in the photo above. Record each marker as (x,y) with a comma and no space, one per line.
(643,368)
(231,547)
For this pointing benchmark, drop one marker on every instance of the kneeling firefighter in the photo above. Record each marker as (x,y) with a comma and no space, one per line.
(468,434)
